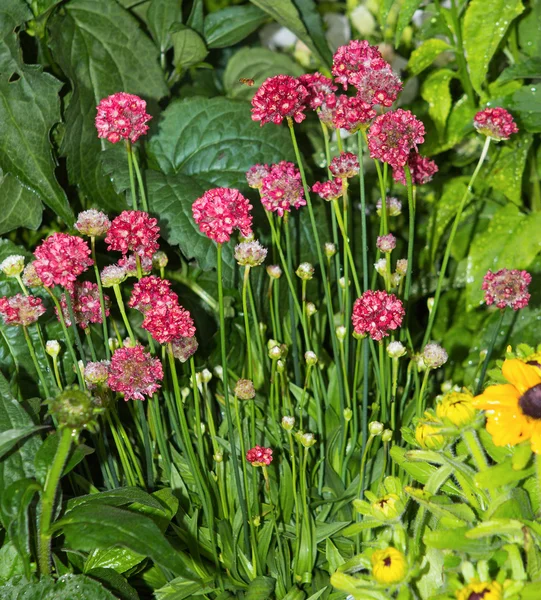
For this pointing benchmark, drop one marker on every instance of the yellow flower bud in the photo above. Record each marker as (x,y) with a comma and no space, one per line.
(488,591)
(456,407)
(389,566)
(428,435)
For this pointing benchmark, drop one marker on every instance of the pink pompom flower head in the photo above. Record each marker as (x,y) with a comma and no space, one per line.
(150,292)
(122,116)
(393,135)
(507,287)
(221,210)
(129,264)
(60,259)
(259,456)
(495,123)
(85,301)
(134,231)
(280,97)
(93,223)
(318,87)
(168,321)
(282,188)
(377,86)
(422,170)
(352,113)
(256,174)
(376,313)
(357,57)
(21,310)
(329,190)
(345,165)
(134,373)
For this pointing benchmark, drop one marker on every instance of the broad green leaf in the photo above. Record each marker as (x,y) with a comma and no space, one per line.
(41,6)
(162,15)
(485,24)
(16,499)
(510,527)
(116,559)
(19,206)
(504,173)
(260,588)
(385,9)
(11,437)
(232,24)
(528,31)
(425,54)
(67,587)
(459,124)
(11,563)
(118,497)
(436,92)
(29,107)
(311,17)
(511,241)
(457,539)
(317,594)
(256,64)
(115,582)
(102,49)
(92,526)
(180,589)
(527,69)
(526,103)
(407,10)
(188,47)
(500,475)
(288,15)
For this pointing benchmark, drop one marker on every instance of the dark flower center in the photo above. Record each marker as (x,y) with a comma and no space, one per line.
(530,402)
(387,561)
(478,595)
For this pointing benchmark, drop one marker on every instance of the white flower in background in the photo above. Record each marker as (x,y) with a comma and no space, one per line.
(338,30)
(363,20)
(274,37)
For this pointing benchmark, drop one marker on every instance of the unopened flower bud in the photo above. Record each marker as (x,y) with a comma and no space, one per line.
(159,260)
(483,354)
(256,521)
(387,435)
(375,428)
(250,254)
(446,386)
(218,372)
(30,276)
(311,309)
(275,353)
(396,278)
(129,343)
(113,344)
(203,429)
(386,243)
(310,358)
(96,373)
(74,409)
(185,392)
(244,389)
(206,375)
(184,347)
(428,435)
(394,207)
(93,223)
(430,304)
(396,350)
(219,456)
(52,347)
(288,423)
(402,266)
(112,275)
(274,271)
(381,266)
(342,283)
(434,356)
(280,366)
(305,271)
(341,333)
(81,366)
(358,335)
(329,249)
(306,439)
(13,265)
(348,414)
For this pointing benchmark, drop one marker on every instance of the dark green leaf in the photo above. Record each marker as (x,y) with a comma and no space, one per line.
(68,587)
(16,499)
(189,48)
(180,589)
(260,588)
(485,24)
(162,15)
(407,9)
(230,25)
(19,206)
(436,92)
(425,54)
(10,437)
(528,69)
(118,497)
(528,31)
(526,103)
(313,22)
(11,563)
(102,50)
(114,582)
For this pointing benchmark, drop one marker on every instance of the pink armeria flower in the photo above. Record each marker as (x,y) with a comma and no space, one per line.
(358,57)
(30,277)
(60,259)
(168,322)
(129,264)
(122,116)
(21,310)
(327,110)
(134,373)
(184,347)
(278,98)
(386,243)
(377,313)
(255,175)
(150,292)
(329,190)
(221,210)
(377,86)
(134,231)
(85,301)
(422,170)
(282,188)
(96,373)
(345,165)
(92,223)
(393,135)
(318,87)
(352,113)
(259,456)
(496,123)
(507,287)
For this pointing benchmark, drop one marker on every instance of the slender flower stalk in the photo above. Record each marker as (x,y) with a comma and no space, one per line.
(490,349)
(411,232)
(122,308)
(129,152)
(292,300)
(102,299)
(41,376)
(76,335)
(140,181)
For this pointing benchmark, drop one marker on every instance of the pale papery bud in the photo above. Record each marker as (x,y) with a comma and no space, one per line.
(430,304)
(386,243)
(394,207)
(310,358)
(244,389)
(396,278)
(342,283)
(348,414)
(402,266)
(206,376)
(219,372)
(381,266)
(92,223)
(219,456)
(12,265)
(185,392)
(446,386)
(250,254)
(112,275)
(434,355)
(31,277)
(329,249)
(52,347)
(305,271)
(307,439)
(275,353)
(288,423)
(341,333)
(160,260)
(280,366)
(396,349)
(375,428)
(311,309)
(113,344)
(274,271)
(387,435)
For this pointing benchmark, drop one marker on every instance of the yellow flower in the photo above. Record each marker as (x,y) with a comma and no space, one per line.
(456,407)
(388,507)
(514,409)
(428,435)
(389,566)
(481,591)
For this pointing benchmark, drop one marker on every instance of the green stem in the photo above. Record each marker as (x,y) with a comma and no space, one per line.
(198,428)
(460,54)
(347,248)
(140,182)
(411,235)
(489,353)
(420,398)
(292,316)
(452,235)
(124,461)
(132,179)
(102,300)
(57,373)
(249,359)
(476,450)
(88,335)
(35,361)
(120,302)
(48,499)
(234,460)
(146,442)
(76,335)
(361,487)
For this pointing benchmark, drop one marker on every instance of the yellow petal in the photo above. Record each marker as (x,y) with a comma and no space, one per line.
(521,375)
(536,438)
(508,430)
(498,396)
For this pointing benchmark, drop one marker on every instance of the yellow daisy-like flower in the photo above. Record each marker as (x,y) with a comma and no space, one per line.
(456,407)
(481,591)
(389,566)
(429,435)
(514,409)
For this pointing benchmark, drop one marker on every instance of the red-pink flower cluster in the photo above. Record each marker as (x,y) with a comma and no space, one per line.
(376,313)
(134,373)
(221,210)
(282,188)
(507,287)
(256,174)
(85,302)
(134,231)
(393,135)
(496,123)
(129,264)
(259,456)
(318,87)
(377,86)
(345,165)
(21,310)
(352,113)
(278,98)
(151,291)
(329,190)
(422,169)
(168,321)
(60,259)
(122,116)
